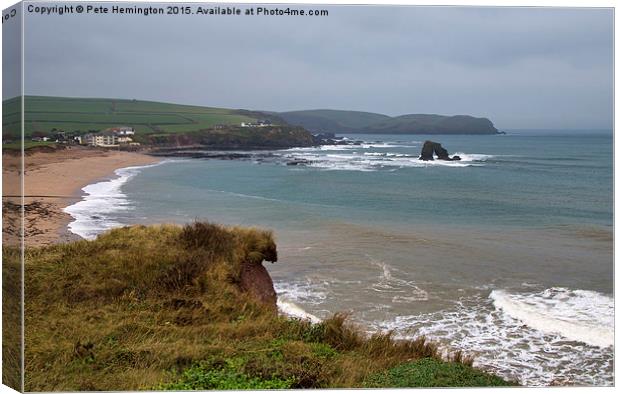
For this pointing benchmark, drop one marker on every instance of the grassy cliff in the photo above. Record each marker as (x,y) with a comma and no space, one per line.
(169,307)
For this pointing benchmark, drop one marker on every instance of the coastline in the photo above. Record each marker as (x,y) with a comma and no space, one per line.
(54,180)
(506,303)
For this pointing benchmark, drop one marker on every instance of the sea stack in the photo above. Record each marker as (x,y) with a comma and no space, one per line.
(431,148)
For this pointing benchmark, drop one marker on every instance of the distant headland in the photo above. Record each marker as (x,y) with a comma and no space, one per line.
(136,124)
(327,120)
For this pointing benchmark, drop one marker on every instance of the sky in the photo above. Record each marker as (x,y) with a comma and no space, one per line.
(547,68)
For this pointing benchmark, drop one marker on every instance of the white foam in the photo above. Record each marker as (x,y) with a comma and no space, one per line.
(355,162)
(364,145)
(374,161)
(291,309)
(375,156)
(473,156)
(303,291)
(404,290)
(382,145)
(93,214)
(579,315)
(531,350)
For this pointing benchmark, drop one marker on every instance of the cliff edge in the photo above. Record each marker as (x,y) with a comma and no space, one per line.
(193,308)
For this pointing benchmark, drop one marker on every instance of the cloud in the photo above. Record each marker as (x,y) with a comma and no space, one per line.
(521,67)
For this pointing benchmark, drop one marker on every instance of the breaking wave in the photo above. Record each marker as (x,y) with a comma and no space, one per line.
(103,202)
(578,315)
(555,336)
(304,291)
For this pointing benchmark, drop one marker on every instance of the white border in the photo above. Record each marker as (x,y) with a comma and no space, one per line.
(484,3)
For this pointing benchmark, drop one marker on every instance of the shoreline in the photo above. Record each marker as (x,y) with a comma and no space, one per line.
(54,181)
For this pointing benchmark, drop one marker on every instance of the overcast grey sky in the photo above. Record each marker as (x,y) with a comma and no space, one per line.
(520,67)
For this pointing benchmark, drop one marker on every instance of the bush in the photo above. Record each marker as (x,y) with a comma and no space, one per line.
(227,376)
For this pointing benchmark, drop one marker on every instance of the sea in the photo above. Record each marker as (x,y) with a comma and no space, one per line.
(506,255)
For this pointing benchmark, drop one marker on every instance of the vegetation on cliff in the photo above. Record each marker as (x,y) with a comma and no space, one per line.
(169,307)
(236,137)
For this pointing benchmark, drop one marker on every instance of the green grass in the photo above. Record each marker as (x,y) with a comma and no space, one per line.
(226,375)
(430,372)
(11,309)
(43,114)
(27,145)
(164,307)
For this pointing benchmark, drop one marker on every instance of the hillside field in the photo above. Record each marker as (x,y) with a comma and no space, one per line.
(43,114)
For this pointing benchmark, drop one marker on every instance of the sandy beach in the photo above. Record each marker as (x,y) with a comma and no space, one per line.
(53,181)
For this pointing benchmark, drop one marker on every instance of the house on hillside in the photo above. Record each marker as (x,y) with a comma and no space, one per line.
(122,130)
(123,139)
(103,139)
(61,137)
(260,123)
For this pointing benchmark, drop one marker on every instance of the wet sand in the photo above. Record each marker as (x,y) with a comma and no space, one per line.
(53,181)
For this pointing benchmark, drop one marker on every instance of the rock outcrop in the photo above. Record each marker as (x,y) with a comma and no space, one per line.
(430,148)
(256,280)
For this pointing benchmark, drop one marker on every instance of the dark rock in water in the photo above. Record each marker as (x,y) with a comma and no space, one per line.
(441,152)
(427,151)
(325,136)
(296,162)
(430,148)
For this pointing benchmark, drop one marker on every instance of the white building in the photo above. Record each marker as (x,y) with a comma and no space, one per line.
(123,139)
(104,139)
(122,130)
(260,123)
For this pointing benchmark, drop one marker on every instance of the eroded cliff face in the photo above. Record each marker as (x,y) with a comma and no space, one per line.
(254,277)
(256,281)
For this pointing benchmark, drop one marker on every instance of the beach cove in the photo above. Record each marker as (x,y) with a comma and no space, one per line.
(469,276)
(464,252)
(54,180)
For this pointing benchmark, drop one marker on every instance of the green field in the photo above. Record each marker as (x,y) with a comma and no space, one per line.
(27,145)
(44,114)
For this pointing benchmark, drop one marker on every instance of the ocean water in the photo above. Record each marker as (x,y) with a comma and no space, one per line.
(506,254)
